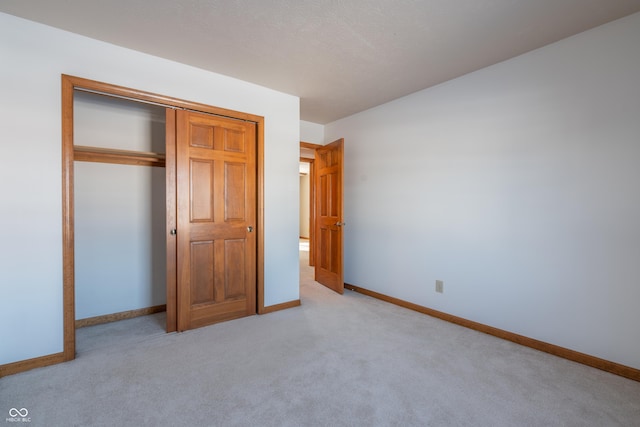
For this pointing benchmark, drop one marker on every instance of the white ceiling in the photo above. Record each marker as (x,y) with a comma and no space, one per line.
(339,56)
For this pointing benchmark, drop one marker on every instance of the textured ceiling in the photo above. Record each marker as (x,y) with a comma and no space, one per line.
(339,57)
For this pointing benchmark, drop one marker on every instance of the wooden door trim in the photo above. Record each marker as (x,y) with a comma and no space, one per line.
(110,90)
(68,223)
(69,85)
(309,145)
(171,220)
(260,309)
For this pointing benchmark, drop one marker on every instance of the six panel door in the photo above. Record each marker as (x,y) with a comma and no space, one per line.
(329,216)
(216,217)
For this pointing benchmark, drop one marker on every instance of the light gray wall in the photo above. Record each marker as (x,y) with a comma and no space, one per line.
(311,132)
(516,185)
(120,242)
(33,58)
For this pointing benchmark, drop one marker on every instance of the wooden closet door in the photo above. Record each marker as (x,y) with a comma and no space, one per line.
(216,217)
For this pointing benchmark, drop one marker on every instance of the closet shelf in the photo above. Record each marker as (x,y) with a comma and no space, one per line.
(123,157)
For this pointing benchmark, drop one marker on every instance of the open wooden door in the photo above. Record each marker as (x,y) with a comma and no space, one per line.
(329,215)
(216,217)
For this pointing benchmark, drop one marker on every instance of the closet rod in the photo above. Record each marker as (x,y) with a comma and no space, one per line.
(157,104)
(126,98)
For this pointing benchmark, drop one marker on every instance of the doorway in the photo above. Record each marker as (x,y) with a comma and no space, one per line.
(307,198)
(119,211)
(70,152)
(326,211)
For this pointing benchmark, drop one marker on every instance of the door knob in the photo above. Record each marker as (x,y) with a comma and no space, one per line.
(173,232)
(340,224)
(250,229)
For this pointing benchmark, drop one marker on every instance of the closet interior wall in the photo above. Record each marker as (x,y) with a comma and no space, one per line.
(120,242)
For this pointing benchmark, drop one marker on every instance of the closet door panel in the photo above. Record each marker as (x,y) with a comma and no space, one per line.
(216,193)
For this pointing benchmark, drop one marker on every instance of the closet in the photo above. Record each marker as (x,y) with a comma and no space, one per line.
(120,241)
(162,204)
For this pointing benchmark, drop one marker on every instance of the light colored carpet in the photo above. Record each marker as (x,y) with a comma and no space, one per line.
(335,361)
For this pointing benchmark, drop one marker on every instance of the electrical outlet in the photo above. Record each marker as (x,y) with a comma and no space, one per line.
(439,286)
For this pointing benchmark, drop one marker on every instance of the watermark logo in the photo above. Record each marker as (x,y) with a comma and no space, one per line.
(18,415)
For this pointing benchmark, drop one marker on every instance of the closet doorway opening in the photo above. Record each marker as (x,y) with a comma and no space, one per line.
(202,145)
(119,212)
